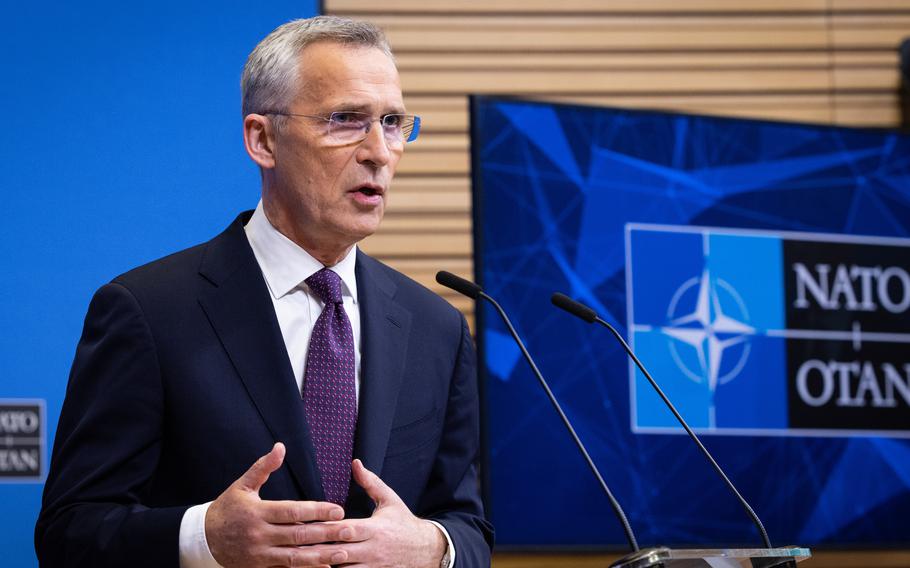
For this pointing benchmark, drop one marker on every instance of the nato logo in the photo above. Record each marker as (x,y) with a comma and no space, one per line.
(754,332)
(22,440)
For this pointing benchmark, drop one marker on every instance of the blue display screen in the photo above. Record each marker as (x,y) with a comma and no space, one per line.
(761,271)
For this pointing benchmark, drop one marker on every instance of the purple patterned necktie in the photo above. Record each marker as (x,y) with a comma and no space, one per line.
(329,398)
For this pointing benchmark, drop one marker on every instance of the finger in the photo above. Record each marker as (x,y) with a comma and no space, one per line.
(353,530)
(357,553)
(314,533)
(289,512)
(376,488)
(259,472)
(292,556)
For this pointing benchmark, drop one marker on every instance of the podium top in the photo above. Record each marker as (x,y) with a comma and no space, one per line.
(714,558)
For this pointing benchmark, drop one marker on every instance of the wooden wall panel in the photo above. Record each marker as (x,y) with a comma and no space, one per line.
(822,61)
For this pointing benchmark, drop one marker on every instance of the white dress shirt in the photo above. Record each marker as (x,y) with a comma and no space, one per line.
(285,267)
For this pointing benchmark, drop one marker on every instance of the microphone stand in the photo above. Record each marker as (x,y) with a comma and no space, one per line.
(584,312)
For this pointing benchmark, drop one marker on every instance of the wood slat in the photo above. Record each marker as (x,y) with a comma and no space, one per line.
(463,267)
(884,117)
(530,82)
(431,140)
(444,102)
(869,100)
(437,117)
(867,79)
(886,58)
(459,223)
(414,245)
(869,6)
(592,38)
(659,61)
(872,20)
(446,163)
(446,7)
(445,113)
(429,201)
(442,121)
(410,62)
(531,24)
(422,184)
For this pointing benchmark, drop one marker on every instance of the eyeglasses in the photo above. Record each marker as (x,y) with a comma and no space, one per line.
(349,127)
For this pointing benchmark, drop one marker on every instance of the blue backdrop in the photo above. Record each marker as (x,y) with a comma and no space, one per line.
(121,142)
(685,232)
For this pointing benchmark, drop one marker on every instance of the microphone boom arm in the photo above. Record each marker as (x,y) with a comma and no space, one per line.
(627,528)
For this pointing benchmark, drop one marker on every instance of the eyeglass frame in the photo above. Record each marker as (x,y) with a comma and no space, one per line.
(411,137)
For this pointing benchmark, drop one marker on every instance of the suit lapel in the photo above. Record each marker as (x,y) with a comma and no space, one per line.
(385,326)
(240,311)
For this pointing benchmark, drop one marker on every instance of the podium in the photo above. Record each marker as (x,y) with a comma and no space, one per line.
(661,557)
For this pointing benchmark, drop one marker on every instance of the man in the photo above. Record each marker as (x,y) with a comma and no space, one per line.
(278,340)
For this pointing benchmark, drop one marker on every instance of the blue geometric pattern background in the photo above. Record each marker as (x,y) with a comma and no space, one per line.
(554,188)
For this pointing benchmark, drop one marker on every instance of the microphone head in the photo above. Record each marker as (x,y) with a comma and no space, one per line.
(459,284)
(575,308)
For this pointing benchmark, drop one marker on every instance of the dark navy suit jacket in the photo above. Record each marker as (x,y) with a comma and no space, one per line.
(181,381)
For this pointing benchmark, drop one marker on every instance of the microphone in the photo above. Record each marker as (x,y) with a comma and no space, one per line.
(459,284)
(473,291)
(584,312)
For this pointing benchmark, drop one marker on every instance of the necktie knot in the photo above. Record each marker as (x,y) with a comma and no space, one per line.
(327,285)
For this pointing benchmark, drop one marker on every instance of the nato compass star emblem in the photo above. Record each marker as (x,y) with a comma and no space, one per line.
(709,331)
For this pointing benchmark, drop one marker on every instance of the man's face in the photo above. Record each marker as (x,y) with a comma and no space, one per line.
(330,196)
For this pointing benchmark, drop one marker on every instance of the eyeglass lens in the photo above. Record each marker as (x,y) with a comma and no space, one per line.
(354,126)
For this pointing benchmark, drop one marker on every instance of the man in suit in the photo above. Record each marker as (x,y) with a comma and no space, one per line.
(219,395)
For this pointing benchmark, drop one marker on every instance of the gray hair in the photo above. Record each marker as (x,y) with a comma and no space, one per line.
(270,76)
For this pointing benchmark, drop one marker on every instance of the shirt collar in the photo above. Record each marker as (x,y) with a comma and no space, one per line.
(285,265)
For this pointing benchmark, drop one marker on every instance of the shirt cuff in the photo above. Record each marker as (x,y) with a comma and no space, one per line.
(451,553)
(194,548)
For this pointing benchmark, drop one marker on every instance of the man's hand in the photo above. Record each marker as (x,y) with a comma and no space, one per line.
(392,536)
(243,530)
